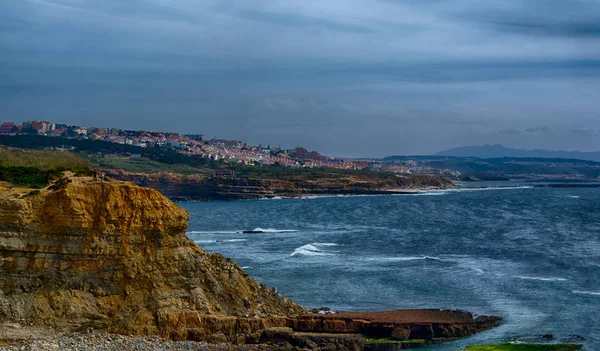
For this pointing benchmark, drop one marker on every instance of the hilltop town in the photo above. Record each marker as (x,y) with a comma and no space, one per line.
(234,151)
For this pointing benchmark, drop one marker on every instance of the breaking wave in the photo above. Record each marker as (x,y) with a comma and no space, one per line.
(314,249)
(273,230)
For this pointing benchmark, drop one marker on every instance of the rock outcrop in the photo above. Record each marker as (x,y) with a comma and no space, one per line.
(115,256)
(208,187)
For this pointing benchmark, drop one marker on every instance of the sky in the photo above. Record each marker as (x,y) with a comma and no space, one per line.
(351,78)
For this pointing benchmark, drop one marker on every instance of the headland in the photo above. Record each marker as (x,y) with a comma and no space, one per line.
(85,255)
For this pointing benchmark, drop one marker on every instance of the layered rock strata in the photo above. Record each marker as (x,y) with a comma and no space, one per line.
(112,256)
(204,187)
(115,256)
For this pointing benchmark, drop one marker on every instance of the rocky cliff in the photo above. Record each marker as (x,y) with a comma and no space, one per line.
(115,256)
(203,187)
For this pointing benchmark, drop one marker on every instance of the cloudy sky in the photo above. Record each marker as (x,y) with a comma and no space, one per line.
(344,77)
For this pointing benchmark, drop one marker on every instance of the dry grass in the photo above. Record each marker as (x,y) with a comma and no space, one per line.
(41,159)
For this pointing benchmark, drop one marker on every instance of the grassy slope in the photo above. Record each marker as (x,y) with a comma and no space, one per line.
(144,165)
(35,168)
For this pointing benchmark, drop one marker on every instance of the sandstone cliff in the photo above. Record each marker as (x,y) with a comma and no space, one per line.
(203,187)
(115,256)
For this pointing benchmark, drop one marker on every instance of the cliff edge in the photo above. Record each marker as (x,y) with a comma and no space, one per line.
(114,256)
(213,187)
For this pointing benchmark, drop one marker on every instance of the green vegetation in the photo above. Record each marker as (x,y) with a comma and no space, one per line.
(388,340)
(36,168)
(28,177)
(525,347)
(279,172)
(117,156)
(86,146)
(42,160)
(31,193)
(143,165)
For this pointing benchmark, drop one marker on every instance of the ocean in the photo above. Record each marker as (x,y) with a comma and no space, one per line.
(529,255)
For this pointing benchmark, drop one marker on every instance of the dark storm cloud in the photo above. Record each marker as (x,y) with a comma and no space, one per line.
(543,18)
(346,77)
(585,131)
(508,131)
(544,129)
(535,28)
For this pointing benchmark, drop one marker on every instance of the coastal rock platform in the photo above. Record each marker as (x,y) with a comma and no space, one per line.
(89,256)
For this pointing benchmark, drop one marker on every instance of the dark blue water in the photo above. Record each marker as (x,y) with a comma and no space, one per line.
(530,255)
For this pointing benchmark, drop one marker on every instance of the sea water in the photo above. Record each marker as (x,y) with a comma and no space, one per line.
(530,255)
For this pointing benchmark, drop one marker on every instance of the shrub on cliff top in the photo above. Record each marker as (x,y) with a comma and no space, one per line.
(35,169)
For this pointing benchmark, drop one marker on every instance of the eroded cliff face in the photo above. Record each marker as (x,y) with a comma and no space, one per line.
(115,256)
(204,187)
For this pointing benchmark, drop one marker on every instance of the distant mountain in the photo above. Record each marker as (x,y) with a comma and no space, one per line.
(494,151)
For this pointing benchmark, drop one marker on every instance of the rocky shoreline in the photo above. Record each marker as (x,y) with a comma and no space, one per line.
(178,187)
(83,255)
(114,342)
(376,331)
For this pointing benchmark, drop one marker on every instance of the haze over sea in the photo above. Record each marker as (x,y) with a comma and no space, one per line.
(530,255)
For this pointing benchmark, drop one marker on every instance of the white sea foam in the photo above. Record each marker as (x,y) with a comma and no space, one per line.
(314,249)
(494,188)
(448,191)
(246,267)
(544,279)
(273,230)
(573,196)
(432,193)
(594,293)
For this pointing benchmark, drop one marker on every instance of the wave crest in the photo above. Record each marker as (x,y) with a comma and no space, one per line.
(314,249)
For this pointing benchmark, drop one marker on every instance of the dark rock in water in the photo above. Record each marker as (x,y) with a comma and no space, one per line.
(548,337)
(253,231)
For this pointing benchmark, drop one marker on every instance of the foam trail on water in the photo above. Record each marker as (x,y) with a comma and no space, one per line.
(271,198)
(431,193)
(544,279)
(594,293)
(313,250)
(273,230)
(448,191)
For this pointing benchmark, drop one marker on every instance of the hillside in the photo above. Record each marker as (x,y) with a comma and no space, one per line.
(504,168)
(495,151)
